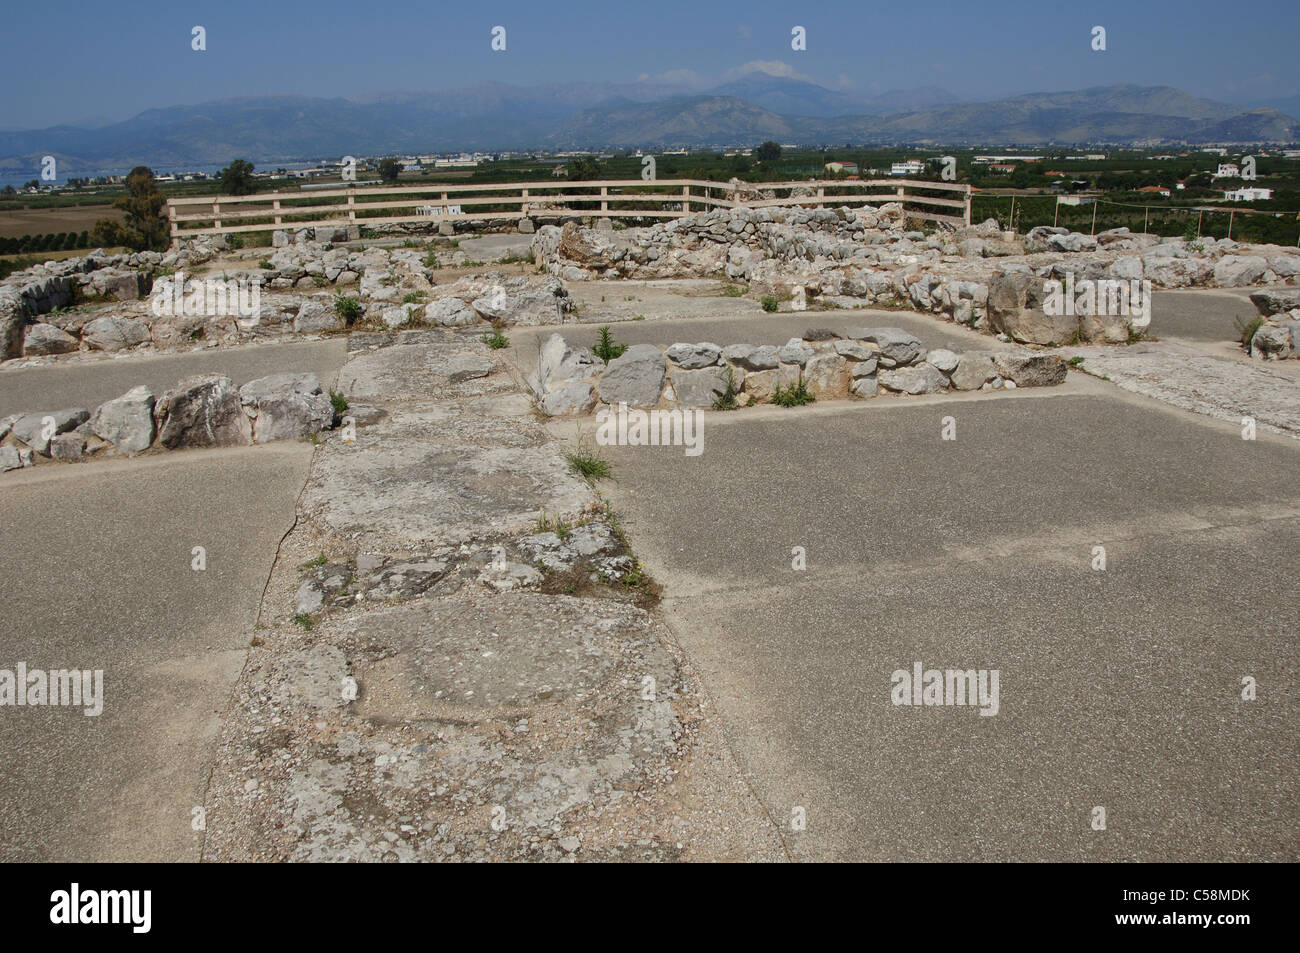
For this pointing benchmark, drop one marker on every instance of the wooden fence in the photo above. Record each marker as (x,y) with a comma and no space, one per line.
(628,198)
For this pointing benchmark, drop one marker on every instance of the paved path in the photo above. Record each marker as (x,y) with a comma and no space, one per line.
(1203,315)
(88,383)
(1118,689)
(97,565)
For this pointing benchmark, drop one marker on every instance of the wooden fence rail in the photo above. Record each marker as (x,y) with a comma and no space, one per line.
(628,198)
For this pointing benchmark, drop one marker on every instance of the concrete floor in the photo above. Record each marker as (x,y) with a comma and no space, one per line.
(97,565)
(1119,689)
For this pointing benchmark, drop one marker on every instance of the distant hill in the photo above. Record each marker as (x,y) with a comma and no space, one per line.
(498,116)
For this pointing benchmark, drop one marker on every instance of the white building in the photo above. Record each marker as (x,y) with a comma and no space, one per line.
(1248,195)
(910,167)
(1228,170)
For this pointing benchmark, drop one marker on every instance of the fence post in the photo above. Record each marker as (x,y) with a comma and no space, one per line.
(276,206)
(686,200)
(523,203)
(604,198)
(1056,212)
(1231,213)
(968,205)
(1200,214)
(1011,222)
(171,214)
(1094,218)
(216,212)
(352,208)
(1146,215)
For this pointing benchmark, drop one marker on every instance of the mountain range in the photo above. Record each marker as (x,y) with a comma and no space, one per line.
(646,114)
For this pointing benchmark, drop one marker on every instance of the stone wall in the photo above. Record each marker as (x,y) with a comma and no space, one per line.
(1278,337)
(202,411)
(862,363)
(859,257)
(393,288)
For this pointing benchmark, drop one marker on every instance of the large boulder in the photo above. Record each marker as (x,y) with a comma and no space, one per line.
(1031,370)
(35,429)
(450,313)
(202,411)
(557,361)
(288,406)
(1275,300)
(127,421)
(702,386)
(47,339)
(1036,239)
(1071,242)
(114,334)
(694,356)
(118,284)
(761,385)
(1008,293)
(568,397)
(897,347)
(317,315)
(1271,343)
(1030,325)
(527,306)
(68,447)
(13,316)
(974,369)
(636,378)
(918,379)
(826,376)
(1285,266)
(943,359)
(751,358)
(11,458)
(1237,271)
(564,377)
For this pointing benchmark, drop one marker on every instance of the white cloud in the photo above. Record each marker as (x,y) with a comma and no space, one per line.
(768,68)
(674,77)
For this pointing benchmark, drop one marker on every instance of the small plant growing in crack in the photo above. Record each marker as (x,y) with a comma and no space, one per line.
(606,349)
(587,463)
(795,396)
(727,399)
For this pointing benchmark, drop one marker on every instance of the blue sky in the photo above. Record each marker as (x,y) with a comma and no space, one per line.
(109,61)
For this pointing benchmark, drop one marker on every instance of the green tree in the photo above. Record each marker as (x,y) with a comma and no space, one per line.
(144,226)
(389,169)
(583,168)
(237,178)
(768,152)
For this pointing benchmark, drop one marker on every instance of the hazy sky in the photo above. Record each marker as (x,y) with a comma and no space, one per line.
(68,62)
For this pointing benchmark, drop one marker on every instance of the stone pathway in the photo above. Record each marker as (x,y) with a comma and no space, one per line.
(1189,378)
(464,687)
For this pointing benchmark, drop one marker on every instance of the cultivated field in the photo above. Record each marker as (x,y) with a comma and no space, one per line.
(40,221)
